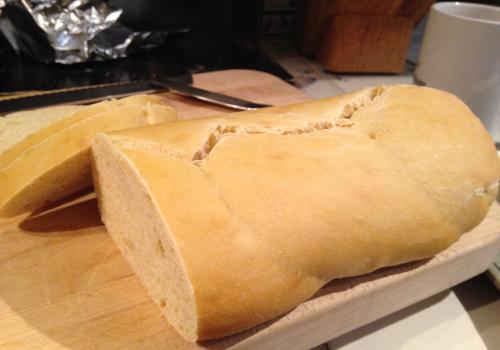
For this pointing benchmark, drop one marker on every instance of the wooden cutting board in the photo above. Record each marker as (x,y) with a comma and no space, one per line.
(64,285)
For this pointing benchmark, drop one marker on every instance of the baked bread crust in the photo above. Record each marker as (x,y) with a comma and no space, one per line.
(236,219)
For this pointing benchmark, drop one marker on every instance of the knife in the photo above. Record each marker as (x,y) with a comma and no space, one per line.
(209,96)
(97,93)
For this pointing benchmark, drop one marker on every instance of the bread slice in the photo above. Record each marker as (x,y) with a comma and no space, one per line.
(234,220)
(21,130)
(16,126)
(45,153)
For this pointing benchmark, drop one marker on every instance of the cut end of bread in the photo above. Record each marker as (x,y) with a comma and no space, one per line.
(48,161)
(16,126)
(141,234)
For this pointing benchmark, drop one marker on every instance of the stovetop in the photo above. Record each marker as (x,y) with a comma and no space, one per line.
(182,56)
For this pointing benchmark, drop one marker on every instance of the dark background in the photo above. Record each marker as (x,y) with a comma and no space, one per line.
(222,34)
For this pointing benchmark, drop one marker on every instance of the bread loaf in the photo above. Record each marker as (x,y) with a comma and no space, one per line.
(233,220)
(45,154)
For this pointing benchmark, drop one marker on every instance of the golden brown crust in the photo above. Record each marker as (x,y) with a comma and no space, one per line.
(266,207)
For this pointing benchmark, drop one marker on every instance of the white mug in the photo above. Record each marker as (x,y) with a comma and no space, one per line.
(460,53)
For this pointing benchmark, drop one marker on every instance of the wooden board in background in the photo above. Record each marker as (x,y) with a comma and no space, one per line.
(64,285)
(250,85)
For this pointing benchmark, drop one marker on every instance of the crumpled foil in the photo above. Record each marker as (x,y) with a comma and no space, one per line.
(76,30)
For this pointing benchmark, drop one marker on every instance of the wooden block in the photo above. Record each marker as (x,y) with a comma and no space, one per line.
(313,16)
(365,43)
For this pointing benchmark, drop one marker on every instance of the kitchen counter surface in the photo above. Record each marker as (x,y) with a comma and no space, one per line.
(466,316)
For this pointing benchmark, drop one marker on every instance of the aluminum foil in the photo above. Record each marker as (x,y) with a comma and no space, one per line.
(76,30)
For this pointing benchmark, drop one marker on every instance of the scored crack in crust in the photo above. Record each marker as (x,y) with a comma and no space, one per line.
(256,211)
(343,120)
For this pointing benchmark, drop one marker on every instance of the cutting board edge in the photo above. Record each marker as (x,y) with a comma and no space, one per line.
(307,332)
(327,318)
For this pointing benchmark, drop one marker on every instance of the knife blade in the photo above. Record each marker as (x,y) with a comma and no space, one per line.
(91,94)
(83,95)
(209,96)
